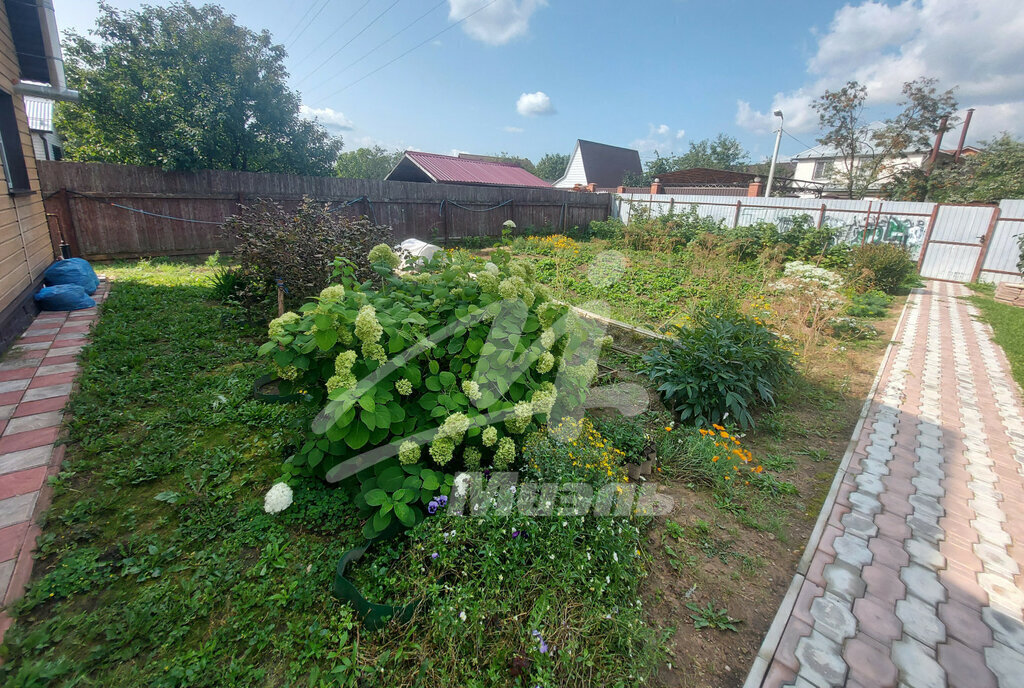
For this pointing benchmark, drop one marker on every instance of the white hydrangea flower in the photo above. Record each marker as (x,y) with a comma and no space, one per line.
(278,498)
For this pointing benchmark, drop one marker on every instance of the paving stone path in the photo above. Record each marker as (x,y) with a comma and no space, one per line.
(917,578)
(36,376)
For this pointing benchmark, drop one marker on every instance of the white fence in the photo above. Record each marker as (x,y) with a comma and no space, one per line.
(959,243)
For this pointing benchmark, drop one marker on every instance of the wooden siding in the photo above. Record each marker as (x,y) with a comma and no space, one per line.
(25,247)
(574,172)
(81,195)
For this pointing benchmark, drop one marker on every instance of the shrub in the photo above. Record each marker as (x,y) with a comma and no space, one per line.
(463,398)
(297,248)
(225,284)
(884,266)
(610,229)
(626,434)
(719,365)
(870,304)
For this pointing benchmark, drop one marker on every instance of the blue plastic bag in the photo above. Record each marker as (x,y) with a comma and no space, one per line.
(72,271)
(63,297)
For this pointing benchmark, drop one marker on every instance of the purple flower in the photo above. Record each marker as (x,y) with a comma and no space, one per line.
(434,555)
(515,534)
(540,639)
(441,500)
(431,507)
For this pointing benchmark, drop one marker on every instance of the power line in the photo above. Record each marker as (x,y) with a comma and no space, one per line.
(806,147)
(415,47)
(389,38)
(329,36)
(299,23)
(309,23)
(348,42)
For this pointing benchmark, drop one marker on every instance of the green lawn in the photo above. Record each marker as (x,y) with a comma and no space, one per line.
(159,567)
(1007,325)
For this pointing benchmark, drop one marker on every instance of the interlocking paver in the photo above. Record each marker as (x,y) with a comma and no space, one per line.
(923,547)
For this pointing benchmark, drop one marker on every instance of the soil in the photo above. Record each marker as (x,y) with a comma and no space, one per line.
(749,570)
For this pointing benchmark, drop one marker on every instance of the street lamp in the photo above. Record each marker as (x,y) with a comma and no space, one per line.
(775,155)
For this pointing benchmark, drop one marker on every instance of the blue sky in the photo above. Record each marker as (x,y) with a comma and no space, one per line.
(530,77)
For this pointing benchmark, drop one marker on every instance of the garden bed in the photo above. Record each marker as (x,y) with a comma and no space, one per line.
(159,565)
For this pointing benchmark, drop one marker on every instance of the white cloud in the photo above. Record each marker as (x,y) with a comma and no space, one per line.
(532,104)
(971,44)
(331,119)
(514,130)
(495,21)
(660,137)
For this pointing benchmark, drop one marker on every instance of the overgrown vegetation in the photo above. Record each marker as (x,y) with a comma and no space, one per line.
(294,249)
(1007,327)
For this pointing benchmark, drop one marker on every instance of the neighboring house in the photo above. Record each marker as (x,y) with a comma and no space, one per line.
(599,164)
(416,166)
(822,165)
(45,143)
(31,65)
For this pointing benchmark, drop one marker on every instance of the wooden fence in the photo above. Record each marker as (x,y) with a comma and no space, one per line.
(118,211)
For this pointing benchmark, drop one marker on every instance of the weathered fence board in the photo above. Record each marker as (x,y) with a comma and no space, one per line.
(80,197)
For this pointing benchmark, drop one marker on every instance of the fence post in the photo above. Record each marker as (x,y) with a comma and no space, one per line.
(985,241)
(867,221)
(736,217)
(71,228)
(927,236)
(821,216)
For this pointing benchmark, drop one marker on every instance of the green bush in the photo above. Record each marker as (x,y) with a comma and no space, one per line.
(610,229)
(883,266)
(379,364)
(870,304)
(719,365)
(297,247)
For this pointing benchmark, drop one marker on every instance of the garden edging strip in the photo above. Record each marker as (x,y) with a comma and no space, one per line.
(769,645)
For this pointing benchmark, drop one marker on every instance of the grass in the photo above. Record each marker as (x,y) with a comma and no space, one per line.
(158,566)
(1007,327)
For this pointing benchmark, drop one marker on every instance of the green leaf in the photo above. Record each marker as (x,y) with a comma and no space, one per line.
(383,417)
(376,497)
(368,419)
(325,339)
(391,479)
(284,357)
(474,345)
(267,348)
(455,346)
(357,436)
(447,379)
(430,482)
(405,514)
(366,401)
(381,521)
(434,367)
(404,495)
(433,383)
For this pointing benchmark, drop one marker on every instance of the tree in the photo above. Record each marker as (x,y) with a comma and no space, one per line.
(186,88)
(723,152)
(552,166)
(865,151)
(997,172)
(367,163)
(525,163)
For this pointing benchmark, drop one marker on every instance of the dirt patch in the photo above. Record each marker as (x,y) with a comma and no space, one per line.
(704,553)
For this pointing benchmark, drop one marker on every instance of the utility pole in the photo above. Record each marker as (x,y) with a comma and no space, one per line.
(775,156)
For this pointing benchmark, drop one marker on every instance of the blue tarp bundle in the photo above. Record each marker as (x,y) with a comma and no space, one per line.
(72,271)
(63,297)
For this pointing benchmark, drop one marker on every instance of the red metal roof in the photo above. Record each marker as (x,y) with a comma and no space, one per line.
(447,168)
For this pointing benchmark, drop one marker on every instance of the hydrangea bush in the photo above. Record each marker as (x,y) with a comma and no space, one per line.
(442,367)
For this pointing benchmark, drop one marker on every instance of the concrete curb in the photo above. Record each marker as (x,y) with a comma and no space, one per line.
(770,644)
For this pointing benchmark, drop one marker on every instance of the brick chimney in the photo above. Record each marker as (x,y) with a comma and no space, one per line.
(755,188)
(620,189)
(656,187)
(592,187)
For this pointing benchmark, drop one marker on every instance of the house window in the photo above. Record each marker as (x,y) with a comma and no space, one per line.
(11,153)
(819,169)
